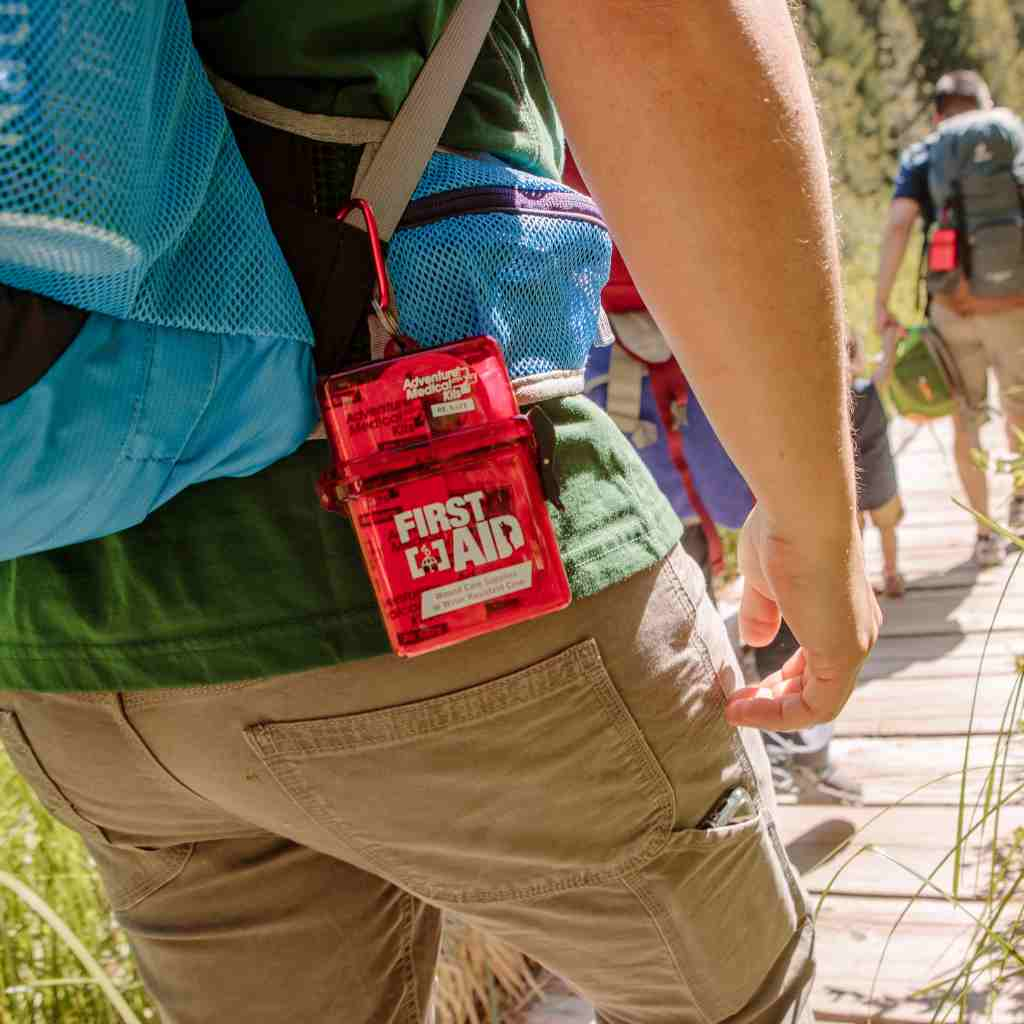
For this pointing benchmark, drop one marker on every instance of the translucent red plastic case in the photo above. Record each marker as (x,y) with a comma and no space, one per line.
(437,470)
(942,250)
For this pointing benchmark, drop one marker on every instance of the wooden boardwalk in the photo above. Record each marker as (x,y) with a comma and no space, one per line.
(904,732)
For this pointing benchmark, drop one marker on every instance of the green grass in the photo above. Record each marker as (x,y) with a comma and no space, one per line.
(42,981)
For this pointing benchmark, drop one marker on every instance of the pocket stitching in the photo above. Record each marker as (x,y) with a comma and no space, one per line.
(717,702)
(710,838)
(350,733)
(15,739)
(639,889)
(264,739)
(740,752)
(174,858)
(759,830)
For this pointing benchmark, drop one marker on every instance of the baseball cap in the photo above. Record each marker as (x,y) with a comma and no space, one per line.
(963,84)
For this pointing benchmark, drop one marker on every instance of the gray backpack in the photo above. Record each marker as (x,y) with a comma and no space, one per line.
(976,180)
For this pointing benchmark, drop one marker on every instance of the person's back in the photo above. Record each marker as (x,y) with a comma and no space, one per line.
(965,183)
(278,807)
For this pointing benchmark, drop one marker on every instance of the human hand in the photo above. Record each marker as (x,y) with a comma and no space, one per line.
(891,334)
(880,378)
(885,321)
(817,581)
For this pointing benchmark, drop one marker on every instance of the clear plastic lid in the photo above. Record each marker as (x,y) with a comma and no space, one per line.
(416,399)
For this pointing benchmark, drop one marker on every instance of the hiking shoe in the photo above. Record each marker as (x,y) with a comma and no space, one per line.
(988,550)
(1015,520)
(796,783)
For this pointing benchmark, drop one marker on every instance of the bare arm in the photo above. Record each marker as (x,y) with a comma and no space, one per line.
(694,125)
(695,128)
(895,237)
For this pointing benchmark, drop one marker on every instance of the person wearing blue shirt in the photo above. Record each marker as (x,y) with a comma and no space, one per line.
(979,331)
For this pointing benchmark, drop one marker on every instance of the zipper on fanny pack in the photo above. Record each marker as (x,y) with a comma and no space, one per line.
(501,199)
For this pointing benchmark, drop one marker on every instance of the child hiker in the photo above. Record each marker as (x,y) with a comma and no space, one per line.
(878,497)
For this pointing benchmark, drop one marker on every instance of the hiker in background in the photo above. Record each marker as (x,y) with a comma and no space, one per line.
(878,497)
(964,182)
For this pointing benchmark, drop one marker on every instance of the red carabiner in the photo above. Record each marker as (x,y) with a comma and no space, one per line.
(383,301)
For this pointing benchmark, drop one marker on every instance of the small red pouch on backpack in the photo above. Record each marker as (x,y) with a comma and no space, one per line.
(438,472)
(942,250)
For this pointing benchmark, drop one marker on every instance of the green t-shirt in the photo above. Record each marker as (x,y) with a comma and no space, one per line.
(238,579)
(352,59)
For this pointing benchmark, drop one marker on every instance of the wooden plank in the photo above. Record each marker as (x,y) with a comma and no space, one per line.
(930,768)
(945,654)
(937,546)
(956,610)
(920,653)
(936,705)
(863,975)
(933,940)
(918,837)
(901,730)
(958,671)
(937,508)
(948,614)
(939,531)
(999,489)
(944,558)
(946,568)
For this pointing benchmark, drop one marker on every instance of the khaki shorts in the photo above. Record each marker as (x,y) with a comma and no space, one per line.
(981,341)
(282,849)
(889,515)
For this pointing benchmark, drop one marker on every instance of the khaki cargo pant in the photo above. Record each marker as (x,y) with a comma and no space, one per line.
(978,342)
(281,849)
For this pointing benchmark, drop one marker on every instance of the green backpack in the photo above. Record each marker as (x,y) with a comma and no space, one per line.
(923,382)
(976,180)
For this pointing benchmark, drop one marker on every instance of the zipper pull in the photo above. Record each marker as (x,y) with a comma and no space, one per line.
(544,433)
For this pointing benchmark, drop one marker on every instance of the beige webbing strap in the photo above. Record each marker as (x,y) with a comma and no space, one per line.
(640,335)
(405,150)
(625,390)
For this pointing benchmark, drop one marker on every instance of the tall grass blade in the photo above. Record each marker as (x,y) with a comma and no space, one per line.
(46,912)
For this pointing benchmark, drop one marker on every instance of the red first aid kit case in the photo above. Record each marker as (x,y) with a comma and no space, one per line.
(438,472)
(942,250)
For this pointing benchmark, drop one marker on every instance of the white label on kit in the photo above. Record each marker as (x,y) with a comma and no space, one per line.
(449,408)
(476,589)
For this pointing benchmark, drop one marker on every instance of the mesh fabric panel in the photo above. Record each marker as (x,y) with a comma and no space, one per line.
(531,282)
(121,188)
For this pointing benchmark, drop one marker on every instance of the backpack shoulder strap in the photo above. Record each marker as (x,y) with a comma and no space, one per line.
(390,180)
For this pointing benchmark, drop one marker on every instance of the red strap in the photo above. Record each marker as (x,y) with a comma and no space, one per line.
(667,381)
(619,294)
(670,388)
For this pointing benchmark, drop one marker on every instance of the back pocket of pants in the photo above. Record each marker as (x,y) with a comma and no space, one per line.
(129,874)
(517,787)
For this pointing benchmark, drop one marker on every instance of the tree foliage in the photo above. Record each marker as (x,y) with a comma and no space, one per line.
(875,62)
